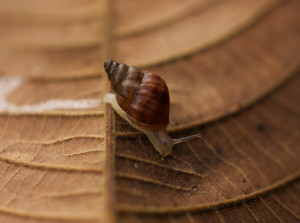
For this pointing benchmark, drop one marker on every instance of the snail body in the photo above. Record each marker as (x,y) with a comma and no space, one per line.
(142,99)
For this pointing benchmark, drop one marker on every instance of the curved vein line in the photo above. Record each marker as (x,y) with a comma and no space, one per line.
(241,172)
(132,193)
(197,49)
(251,212)
(228,163)
(38,181)
(69,138)
(190,217)
(200,47)
(70,75)
(98,41)
(70,194)
(245,102)
(51,17)
(9,178)
(144,26)
(37,45)
(58,113)
(286,208)
(49,216)
(257,169)
(220,217)
(155,182)
(169,17)
(160,165)
(225,177)
(128,134)
(279,142)
(228,136)
(100,150)
(271,210)
(201,207)
(260,14)
(49,167)
(259,147)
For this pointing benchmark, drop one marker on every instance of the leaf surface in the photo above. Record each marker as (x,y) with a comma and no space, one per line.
(231,68)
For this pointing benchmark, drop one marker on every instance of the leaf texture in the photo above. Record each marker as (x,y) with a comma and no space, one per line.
(238,168)
(242,169)
(52,139)
(231,68)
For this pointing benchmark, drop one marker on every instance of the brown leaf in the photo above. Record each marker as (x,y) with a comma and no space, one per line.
(231,70)
(244,159)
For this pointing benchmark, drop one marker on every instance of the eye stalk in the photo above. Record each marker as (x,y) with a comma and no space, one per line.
(142,99)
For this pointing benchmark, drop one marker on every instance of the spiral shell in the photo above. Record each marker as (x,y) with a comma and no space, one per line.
(144,96)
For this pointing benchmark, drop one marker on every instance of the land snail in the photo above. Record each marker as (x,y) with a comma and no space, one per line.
(142,99)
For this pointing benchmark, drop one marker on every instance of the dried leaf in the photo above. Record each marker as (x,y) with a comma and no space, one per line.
(231,70)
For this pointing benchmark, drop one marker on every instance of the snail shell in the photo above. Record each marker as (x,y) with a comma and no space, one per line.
(142,99)
(144,96)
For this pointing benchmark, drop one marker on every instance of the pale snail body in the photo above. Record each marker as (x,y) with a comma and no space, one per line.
(142,99)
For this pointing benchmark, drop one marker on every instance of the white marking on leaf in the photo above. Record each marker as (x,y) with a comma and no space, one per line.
(9,83)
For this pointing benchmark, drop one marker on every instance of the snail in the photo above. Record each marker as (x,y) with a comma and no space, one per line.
(142,99)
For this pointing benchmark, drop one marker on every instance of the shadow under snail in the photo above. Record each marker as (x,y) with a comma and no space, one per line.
(142,99)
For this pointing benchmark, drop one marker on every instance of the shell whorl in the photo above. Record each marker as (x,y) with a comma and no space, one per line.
(125,81)
(144,96)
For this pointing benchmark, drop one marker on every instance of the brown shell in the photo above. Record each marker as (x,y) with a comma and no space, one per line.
(143,96)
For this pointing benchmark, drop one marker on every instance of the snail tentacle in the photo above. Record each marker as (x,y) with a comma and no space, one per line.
(186,138)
